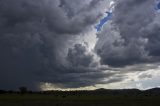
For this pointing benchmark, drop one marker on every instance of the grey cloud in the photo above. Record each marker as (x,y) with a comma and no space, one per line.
(82,76)
(137,67)
(34,36)
(72,8)
(77,7)
(35,40)
(79,56)
(143,76)
(132,37)
(84,70)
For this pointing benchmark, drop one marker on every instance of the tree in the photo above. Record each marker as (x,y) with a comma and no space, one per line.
(23,89)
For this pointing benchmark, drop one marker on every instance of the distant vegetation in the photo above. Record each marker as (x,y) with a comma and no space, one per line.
(99,97)
(110,92)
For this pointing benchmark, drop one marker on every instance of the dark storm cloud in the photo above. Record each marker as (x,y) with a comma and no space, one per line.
(81,77)
(84,70)
(34,38)
(78,56)
(72,9)
(133,35)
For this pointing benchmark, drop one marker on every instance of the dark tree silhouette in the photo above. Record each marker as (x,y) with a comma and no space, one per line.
(23,89)
(3,91)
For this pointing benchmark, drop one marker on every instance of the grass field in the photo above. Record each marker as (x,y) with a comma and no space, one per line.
(83,100)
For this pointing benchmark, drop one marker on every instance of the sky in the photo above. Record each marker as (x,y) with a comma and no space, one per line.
(53,44)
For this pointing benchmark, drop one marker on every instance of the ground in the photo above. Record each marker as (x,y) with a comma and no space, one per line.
(74,100)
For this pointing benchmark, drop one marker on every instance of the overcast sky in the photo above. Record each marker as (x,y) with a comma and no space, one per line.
(53,44)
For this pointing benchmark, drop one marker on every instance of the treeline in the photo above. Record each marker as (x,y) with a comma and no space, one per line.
(123,92)
(109,92)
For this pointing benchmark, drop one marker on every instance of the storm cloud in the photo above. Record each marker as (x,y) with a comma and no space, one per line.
(34,36)
(132,37)
(38,42)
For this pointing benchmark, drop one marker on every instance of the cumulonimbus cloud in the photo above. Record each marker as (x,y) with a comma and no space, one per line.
(33,39)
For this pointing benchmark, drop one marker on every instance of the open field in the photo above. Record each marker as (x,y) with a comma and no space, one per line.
(72,100)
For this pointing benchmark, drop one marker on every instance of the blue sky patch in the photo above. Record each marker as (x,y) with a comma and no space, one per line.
(157,6)
(103,21)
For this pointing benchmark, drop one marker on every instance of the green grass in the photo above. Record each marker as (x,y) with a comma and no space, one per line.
(83,100)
